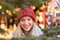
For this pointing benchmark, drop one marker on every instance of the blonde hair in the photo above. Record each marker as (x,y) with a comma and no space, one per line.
(36,31)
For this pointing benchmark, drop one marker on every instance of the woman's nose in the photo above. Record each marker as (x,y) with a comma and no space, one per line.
(26,22)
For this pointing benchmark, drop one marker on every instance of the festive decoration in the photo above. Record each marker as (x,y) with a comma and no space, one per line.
(2,31)
(52,32)
(17,3)
(12,4)
(8,8)
(0,7)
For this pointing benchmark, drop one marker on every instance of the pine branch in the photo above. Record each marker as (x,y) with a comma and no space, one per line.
(37,3)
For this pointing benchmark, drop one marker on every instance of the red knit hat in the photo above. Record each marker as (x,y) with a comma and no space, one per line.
(27,11)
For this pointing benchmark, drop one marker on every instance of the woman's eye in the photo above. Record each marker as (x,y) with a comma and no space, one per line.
(22,20)
(29,19)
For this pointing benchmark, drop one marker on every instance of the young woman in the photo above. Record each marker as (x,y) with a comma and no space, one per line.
(26,24)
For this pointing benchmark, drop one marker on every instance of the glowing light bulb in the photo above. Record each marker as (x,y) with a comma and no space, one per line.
(0,7)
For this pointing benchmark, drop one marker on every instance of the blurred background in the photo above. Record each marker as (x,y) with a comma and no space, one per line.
(47,14)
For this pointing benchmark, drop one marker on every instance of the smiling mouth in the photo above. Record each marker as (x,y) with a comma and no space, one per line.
(26,27)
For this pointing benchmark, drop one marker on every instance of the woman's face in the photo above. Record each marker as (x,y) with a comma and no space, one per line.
(26,23)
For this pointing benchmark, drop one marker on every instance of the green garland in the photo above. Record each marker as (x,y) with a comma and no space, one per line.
(2,31)
(12,4)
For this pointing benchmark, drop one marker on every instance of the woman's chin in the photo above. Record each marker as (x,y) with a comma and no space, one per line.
(27,30)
